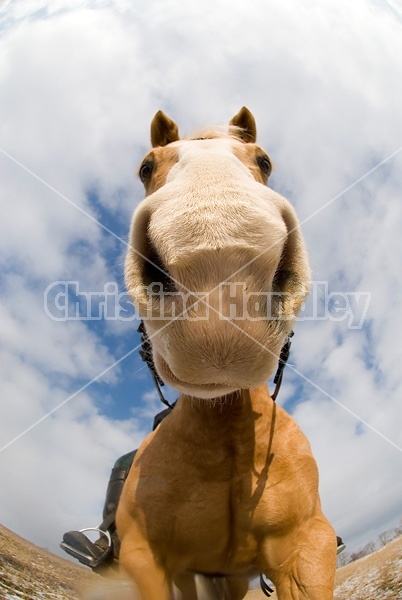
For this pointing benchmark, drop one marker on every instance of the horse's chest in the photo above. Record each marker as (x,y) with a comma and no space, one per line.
(209,521)
(204,501)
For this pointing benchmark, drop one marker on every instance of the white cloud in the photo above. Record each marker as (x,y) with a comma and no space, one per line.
(56,474)
(80,84)
(357,468)
(66,348)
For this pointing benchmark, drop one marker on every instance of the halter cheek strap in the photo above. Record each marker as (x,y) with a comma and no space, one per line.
(283,359)
(146,356)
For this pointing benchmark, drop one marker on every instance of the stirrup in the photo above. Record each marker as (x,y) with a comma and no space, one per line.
(340,548)
(80,547)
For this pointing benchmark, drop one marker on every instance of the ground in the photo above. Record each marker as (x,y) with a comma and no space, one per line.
(30,573)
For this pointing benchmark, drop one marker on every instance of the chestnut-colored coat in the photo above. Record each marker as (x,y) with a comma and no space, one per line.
(226,488)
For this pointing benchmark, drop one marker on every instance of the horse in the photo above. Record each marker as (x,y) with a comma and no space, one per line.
(226,487)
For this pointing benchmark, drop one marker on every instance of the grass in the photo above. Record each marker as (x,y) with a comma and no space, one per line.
(30,573)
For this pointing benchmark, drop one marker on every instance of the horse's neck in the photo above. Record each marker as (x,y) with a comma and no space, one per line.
(243,422)
(236,406)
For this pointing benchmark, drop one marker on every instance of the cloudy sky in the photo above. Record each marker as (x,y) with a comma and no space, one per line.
(80,82)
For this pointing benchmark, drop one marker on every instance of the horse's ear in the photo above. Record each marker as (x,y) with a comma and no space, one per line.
(163,130)
(248,129)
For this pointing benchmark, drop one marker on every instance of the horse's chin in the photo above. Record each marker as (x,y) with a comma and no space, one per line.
(204,391)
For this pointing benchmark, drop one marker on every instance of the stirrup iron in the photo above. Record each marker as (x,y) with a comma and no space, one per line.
(78,545)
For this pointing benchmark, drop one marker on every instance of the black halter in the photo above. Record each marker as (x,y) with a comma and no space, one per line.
(283,359)
(146,355)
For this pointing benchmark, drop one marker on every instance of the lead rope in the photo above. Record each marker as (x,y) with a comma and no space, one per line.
(283,359)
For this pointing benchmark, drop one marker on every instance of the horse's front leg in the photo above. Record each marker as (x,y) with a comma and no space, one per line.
(236,588)
(138,562)
(185,583)
(302,564)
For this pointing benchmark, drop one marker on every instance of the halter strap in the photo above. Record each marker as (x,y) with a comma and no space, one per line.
(146,356)
(283,359)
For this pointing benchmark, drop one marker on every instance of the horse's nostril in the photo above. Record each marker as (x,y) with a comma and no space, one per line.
(155,272)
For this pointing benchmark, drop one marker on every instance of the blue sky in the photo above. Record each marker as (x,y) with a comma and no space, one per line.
(80,83)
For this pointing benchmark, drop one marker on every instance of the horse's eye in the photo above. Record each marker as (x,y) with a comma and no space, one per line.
(265,164)
(146,170)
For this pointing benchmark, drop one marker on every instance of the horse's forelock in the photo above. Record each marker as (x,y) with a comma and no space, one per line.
(212,133)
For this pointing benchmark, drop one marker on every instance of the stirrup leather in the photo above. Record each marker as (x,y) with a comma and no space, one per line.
(80,547)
